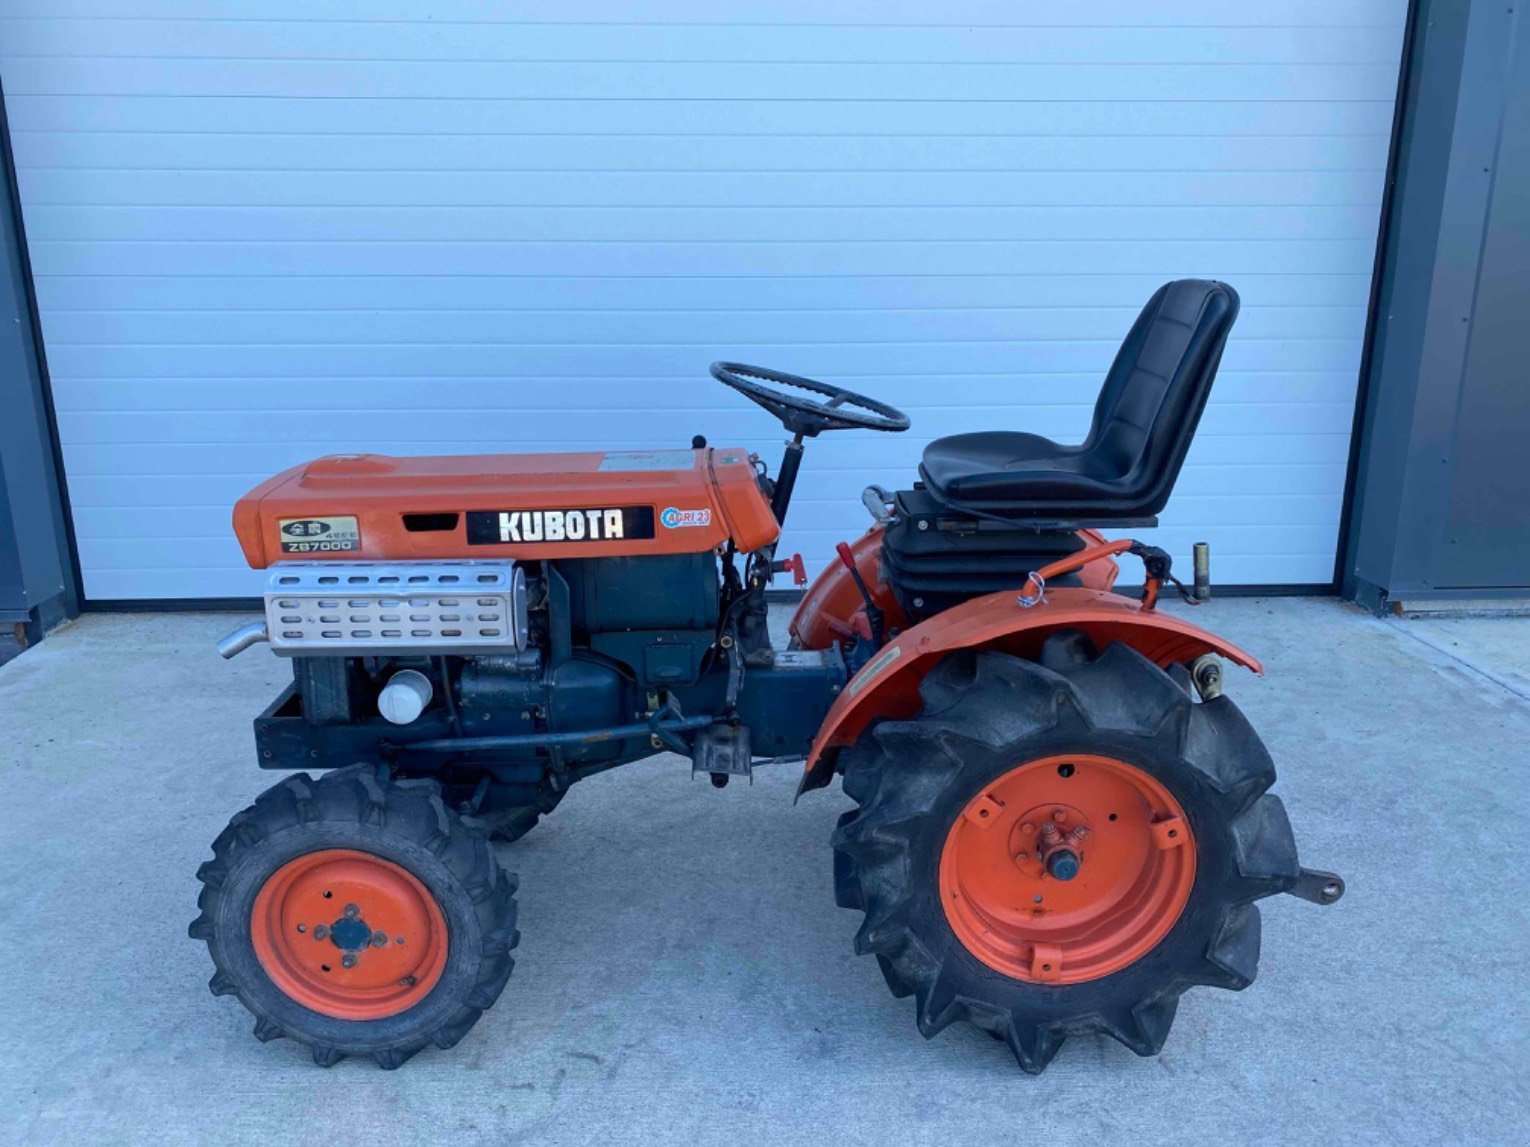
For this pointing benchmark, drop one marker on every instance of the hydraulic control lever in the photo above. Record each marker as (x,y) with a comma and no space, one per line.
(792,565)
(875,619)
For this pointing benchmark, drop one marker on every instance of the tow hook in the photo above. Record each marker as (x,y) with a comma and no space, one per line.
(1317,886)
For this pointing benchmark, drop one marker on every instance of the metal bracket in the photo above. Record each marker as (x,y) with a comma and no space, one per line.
(1206,676)
(1317,886)
(878,503)
(660,733)
(723,751)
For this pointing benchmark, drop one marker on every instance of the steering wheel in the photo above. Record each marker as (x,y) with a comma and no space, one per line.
(843,410)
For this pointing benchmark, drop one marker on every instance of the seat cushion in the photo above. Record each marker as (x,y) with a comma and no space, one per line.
(995,464)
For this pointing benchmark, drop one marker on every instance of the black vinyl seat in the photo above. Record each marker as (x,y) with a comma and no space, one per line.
(1143,422)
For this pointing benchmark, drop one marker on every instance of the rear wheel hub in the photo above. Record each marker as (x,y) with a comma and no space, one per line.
(1067,869)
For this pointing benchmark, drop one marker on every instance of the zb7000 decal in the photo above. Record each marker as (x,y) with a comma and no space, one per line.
(499,527)
(319,535)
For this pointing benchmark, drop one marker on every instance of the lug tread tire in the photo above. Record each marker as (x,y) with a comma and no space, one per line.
(982,714)
(411,811)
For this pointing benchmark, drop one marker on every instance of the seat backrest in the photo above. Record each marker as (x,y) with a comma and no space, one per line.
(1157,387)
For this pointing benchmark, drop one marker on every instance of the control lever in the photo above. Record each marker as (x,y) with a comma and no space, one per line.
(792,565)
(874,615)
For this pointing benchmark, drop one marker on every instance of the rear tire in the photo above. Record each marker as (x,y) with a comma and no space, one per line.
(423,876)
(986,717)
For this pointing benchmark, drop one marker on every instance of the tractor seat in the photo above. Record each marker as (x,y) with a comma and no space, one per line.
(1143,423)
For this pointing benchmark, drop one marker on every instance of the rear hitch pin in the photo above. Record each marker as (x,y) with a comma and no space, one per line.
(1202,555)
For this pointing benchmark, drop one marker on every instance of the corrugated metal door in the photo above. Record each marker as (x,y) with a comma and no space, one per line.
(269,231)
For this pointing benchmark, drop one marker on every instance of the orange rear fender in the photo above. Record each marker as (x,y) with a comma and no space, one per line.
(888,684)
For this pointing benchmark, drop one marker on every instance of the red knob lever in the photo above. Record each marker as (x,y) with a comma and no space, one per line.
(874,616)
(792,565)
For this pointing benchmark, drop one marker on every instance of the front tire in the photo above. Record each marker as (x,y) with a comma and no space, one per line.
(357,916)
(961,908)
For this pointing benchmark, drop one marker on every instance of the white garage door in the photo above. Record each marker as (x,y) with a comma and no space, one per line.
(268,234)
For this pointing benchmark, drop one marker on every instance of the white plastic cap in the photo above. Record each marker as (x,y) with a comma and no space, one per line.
(404,697)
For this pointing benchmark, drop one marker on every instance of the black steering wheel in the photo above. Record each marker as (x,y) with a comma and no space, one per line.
(843,410)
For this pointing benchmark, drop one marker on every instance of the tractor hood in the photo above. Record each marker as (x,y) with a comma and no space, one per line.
(352,507)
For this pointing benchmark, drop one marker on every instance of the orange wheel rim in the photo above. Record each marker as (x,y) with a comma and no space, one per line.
(1005,869)
(349,935)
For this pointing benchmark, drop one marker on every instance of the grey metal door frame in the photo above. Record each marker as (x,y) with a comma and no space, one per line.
(1441,486)
(39,580)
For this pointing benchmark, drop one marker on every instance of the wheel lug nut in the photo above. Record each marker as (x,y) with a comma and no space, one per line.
(348,960)
(351,912)
(379,939)
(1027,827)
(321,932)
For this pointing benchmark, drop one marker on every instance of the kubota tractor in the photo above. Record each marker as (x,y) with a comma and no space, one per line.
(1063,823)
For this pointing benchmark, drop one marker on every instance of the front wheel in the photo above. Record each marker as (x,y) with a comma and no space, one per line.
(357,916)
(1058,848)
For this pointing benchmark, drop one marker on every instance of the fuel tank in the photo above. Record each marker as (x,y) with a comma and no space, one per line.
(361,507)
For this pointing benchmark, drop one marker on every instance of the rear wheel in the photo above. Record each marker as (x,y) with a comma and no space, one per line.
(357,916)
(1058,848)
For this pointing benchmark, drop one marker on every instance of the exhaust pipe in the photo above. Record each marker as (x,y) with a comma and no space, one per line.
(242,638)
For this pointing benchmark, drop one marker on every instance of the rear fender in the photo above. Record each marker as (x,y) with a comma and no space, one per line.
(888,684)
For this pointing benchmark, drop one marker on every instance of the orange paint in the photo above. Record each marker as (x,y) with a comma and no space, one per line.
(829,606)
(1093,551)
(1136,867)
(1101,573)
(716,488)
(888,685)
(303,913)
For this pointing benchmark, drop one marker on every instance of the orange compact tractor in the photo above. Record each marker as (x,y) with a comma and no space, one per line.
(1062,822)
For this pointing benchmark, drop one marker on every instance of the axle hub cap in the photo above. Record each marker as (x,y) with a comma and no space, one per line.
(1067,869)
(349,935)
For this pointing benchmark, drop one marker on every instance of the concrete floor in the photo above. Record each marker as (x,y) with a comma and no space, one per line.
(685,975)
